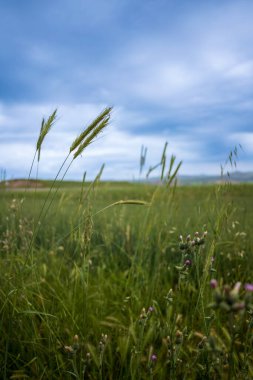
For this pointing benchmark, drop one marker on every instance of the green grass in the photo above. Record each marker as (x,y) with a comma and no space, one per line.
(72,302)
(125,281)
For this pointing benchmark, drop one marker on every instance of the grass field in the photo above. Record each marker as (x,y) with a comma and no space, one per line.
(92,292)
(125,281)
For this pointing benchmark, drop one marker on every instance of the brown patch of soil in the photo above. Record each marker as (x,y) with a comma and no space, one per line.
(22,183)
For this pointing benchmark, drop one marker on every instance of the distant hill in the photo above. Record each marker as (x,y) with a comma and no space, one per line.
(202,179)
(235,177)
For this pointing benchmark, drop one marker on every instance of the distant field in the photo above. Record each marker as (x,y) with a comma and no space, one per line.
(89,291)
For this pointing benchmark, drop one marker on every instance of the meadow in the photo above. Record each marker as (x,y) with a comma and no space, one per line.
(126,280)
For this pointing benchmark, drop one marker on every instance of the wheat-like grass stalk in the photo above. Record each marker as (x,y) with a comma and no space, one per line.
(135,202)
(45,128)
(97,126)
(83,145)
(90,128)
(92,136)
(161,163)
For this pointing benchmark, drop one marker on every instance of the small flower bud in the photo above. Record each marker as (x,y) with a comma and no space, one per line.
(227,289)
(69,349)
(179,337)
(213,283)
(238,306)
(182,246)
(223,305)
(235,291)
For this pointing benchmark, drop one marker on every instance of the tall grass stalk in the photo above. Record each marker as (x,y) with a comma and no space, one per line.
(79,144)
(222,215)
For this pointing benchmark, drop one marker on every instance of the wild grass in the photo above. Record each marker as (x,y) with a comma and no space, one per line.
(127,281)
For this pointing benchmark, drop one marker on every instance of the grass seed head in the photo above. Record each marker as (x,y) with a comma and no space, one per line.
(104,115)
(92,136)
(45,128)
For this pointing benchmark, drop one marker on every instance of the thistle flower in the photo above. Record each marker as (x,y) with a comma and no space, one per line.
(229,299)
(213,283)
(248,287)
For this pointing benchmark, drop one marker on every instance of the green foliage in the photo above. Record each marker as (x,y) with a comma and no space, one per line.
(117,275)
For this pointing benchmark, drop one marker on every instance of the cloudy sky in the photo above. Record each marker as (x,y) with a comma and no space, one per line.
(174,70)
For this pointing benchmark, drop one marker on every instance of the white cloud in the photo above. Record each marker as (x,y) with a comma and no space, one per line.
(243,70)
(246,141)
(187,81)
(119,147)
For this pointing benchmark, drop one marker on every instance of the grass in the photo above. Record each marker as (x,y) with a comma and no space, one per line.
(136,290)
(119,262)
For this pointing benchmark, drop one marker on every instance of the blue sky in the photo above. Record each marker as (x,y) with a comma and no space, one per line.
(176,71)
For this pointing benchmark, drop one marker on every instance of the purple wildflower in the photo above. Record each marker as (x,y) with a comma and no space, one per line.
(151,309)
(213,283)
(153,358)
(248,287)
(188,263)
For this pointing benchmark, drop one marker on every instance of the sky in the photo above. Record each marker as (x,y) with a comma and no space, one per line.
(174,70)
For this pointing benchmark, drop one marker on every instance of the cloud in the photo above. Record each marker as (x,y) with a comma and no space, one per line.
(118,147)
(245,139)
(177,73)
